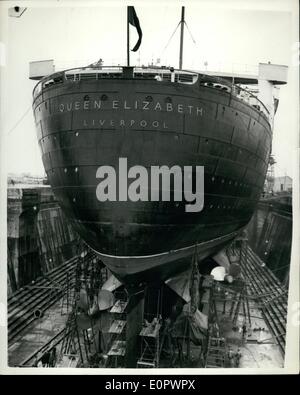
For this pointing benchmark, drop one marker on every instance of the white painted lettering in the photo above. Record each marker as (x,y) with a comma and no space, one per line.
(157,107)
(115,104)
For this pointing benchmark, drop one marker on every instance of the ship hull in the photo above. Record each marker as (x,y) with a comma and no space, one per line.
(83,125)
(161,266)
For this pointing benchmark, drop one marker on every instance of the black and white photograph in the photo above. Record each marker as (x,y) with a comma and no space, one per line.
(149,191)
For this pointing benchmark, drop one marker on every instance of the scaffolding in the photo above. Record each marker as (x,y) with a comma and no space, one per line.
(117,331)
(254,289)
(150,345)
(217,353)
(80,330)
(234,294)
(149,335)
(71,350)
(183,327)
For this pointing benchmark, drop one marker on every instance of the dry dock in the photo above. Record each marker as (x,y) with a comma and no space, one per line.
(66,310)
(260,306)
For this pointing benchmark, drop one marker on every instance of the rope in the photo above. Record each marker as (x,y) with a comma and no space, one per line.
(194,41)
(20,120)
(170,39)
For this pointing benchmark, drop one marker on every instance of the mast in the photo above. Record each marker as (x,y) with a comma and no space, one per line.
(128,53)
(181,37)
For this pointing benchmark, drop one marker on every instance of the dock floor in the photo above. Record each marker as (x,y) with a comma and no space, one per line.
(262,346)
(40,332)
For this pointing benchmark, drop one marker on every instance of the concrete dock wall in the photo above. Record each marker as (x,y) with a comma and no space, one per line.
(270,236)
(39,238)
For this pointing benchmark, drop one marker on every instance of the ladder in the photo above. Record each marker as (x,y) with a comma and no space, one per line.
(71,342)
(117,331)
(150,347)
(242,301)
(217,354)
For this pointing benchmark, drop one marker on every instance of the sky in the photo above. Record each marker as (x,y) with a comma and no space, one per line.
(227,35)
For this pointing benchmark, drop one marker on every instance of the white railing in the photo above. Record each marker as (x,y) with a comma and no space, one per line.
(97,72)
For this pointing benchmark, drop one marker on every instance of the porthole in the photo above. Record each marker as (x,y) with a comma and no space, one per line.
(149,98)
(86,98)
(104,97)
(168,100)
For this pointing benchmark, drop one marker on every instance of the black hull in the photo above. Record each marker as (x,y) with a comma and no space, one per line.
(206,127)
(161,266)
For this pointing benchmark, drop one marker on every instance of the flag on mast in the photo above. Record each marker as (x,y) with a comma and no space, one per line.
(134,21)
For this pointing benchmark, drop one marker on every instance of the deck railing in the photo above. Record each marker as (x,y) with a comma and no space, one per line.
(159,74)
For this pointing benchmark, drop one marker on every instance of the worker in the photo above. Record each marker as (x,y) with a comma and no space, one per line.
(231,358)
(228,278)
(103,360)
(176,345)
(244,329)
(225,301)
(52,359)
(238,356)
(35,364)
(45,359)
